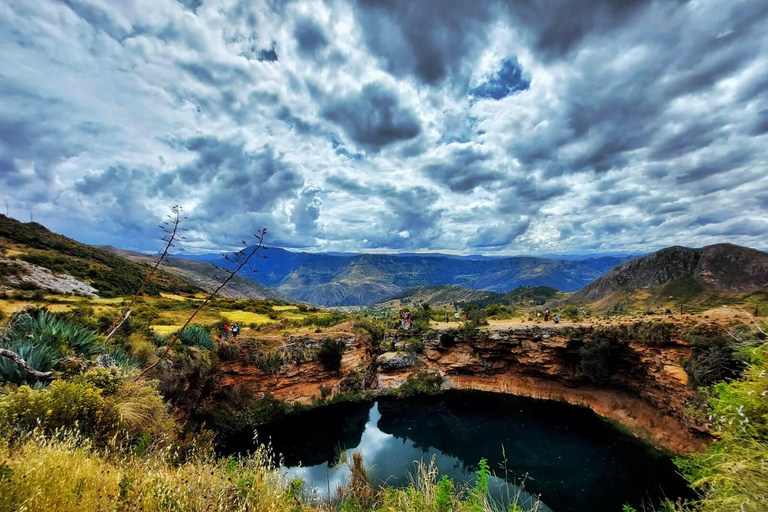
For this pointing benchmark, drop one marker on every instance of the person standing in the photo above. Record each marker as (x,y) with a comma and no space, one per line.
(226,332)
(546,315)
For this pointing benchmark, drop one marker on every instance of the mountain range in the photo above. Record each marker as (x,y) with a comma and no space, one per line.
(351,280)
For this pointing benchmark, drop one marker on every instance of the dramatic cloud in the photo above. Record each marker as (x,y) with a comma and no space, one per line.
(503,127)
(373,118)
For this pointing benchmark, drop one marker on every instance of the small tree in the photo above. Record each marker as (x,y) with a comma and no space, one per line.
(330,355)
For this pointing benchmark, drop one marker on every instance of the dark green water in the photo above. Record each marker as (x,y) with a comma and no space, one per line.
(569,456)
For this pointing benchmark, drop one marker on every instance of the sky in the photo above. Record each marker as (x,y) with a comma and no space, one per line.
(494,127)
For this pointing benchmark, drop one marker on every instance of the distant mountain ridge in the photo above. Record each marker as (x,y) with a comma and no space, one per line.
(204,275)
(362,279)
(720,267)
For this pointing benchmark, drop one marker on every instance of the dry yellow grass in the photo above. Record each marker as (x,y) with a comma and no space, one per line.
(245,317)
(11,306)
(285,308)
(68,476)
(164,330)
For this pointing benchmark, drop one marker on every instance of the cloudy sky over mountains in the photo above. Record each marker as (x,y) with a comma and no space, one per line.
(501,127)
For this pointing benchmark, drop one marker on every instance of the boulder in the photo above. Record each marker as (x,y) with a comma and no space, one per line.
(392,361)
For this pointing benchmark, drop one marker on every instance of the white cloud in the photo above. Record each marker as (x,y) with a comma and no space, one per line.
(648,129)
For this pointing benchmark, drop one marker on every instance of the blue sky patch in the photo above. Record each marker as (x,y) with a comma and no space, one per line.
(508,80)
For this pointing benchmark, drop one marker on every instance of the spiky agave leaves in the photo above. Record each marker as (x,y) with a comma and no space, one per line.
(45,328)
(196,336)
(40,356)
(42,340)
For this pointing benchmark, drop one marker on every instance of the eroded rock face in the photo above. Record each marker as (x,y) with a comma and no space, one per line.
(648,391)
(391,361)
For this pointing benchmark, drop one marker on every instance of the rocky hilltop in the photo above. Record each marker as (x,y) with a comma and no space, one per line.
(721,267)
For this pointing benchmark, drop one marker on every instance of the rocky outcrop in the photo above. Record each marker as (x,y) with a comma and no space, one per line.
(396,361)
(647,392)
(47,280)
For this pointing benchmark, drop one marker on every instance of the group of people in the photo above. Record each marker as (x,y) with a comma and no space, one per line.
(406,320)
(234,329)
(546,316)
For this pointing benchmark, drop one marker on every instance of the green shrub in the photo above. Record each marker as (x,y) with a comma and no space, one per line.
(352,383)
(121,407)
(653,333)
(444,495)
(9,268)
(141,349)
(713,359)
(424,382)
(108,380)
(227,351)
(145,313)
(239,411)
(330,355)
(375,329)
(597,359)
(269,363)
(414,345)
(328,320)
(63,404)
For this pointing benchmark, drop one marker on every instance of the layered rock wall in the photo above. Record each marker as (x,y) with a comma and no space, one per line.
(648,391)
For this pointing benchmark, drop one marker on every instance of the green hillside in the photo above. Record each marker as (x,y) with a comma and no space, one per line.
(111,275)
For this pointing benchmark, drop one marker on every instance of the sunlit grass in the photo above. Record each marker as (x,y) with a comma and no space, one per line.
(293,316)
(245,317)
(172,296)
(285,308)
(165,330)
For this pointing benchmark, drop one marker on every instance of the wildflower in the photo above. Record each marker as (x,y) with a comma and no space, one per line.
(49,412)
(752,392)
(764,393)
(762,373)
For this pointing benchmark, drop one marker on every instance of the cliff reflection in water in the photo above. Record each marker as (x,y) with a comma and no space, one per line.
(572,458)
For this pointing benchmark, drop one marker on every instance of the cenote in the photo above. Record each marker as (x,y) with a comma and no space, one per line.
(567,455)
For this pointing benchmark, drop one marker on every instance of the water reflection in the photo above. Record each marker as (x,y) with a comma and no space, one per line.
(576,461)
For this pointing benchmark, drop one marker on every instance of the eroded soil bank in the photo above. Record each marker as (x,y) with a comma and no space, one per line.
(648,392)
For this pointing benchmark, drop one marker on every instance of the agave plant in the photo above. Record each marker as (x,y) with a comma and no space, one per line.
(196,336)
(43,327)
(42,340)
(41,357)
